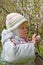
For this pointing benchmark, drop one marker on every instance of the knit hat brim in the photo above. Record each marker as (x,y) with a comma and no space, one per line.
(18,24)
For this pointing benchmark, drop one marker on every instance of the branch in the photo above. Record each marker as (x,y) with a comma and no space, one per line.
(4,9)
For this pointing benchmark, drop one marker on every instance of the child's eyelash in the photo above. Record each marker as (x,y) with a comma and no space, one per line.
(24,27)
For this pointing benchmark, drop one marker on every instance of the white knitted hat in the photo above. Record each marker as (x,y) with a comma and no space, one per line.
(13,20)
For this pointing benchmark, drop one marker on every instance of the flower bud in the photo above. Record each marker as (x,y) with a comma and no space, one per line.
(38,38)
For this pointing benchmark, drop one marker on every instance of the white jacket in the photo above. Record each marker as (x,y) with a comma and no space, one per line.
(21,53)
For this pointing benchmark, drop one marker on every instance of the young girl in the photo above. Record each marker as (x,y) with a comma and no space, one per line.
(17,50)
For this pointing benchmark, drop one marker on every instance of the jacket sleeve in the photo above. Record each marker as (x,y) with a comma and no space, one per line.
(25,50)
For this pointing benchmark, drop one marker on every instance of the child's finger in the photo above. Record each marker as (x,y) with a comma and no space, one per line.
(34,36)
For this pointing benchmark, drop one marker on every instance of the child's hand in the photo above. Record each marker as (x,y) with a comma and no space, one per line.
(34,39)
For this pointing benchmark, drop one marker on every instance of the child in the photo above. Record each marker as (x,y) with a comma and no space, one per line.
(17,50)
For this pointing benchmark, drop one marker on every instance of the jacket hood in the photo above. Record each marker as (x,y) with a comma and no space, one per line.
(6,34)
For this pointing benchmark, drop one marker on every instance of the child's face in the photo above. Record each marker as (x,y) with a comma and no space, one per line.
(23,29)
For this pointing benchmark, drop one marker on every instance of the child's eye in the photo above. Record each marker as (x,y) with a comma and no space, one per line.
(26,27)
(22,27)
